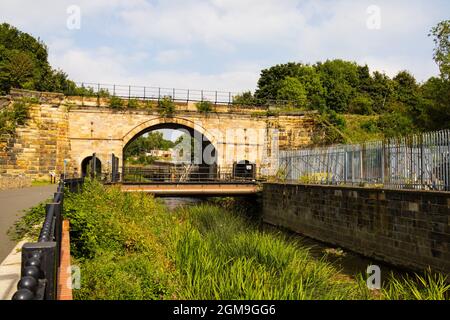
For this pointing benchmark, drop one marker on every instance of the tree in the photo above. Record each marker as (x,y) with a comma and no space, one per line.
(441,34)
(270,80)
(361,104)
(436,106)
(293,91)
(19,67)
(24,63)
(146,143)
(341,80)
(380,91)
(406,91)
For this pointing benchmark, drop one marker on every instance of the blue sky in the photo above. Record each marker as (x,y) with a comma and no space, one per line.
(223,45)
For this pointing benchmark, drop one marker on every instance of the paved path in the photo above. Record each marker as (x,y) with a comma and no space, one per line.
(12,204)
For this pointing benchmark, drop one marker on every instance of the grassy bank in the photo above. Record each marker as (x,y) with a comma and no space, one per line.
(130,246)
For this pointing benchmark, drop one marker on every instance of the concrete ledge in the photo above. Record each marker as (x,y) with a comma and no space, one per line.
(10,272)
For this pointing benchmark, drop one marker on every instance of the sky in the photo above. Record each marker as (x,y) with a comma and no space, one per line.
(224,44)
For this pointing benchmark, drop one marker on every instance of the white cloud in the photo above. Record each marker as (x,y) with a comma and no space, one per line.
(104,65)
(215,23)
(172,56)
(141,41)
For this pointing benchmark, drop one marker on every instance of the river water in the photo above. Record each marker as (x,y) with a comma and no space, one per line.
(349,263)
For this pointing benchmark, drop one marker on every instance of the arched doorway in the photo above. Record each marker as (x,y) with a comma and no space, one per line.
(189,156)
(87,166)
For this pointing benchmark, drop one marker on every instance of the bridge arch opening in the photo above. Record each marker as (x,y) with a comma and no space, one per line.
(169,151)
(87,166)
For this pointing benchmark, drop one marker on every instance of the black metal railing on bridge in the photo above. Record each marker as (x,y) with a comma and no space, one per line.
(189,174)
(41,260)
(102,90)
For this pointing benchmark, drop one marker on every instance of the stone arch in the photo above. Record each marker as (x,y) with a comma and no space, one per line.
(144,126)
(177,123)
(86,162)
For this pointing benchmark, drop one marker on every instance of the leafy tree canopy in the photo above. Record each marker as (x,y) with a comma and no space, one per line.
(24,63)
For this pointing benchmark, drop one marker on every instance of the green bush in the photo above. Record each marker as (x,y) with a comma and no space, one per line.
(116,102)
(204,107)
(395,124)
(16,114)
(21,112)
(133,104)
(245,99)
(166,107)
(149,105)
(370,126)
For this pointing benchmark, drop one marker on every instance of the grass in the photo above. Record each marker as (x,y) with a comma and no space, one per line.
(30,224)
(130,246)
(39,183)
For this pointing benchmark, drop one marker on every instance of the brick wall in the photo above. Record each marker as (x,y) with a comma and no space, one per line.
(406,228)
(64,272)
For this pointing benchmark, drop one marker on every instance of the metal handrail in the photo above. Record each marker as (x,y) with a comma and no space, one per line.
(175,94)
(40,260)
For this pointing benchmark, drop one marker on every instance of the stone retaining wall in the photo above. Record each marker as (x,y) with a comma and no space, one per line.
(14,182)
(405,228)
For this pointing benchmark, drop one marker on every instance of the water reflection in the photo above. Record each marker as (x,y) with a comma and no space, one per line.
(347,262)
(173,203)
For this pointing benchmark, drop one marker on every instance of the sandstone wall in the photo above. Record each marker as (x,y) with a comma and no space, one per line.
(14,182)
(74,128)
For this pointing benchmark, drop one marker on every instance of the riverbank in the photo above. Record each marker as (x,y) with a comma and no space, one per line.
(131,246)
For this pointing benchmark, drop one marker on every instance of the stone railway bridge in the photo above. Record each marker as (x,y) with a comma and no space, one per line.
(74,128)
(408,228)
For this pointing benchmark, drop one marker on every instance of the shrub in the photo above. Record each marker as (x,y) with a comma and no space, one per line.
(204,107)
(245,99)
(149,105)
(133,104)
(115,102)
(13,115)
(20,112)
(166,107)
(370,126)
(395,124)
(103,93)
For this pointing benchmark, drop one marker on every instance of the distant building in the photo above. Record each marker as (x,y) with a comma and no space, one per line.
(162,154)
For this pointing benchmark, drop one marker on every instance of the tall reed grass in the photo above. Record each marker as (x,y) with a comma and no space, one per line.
(130,246)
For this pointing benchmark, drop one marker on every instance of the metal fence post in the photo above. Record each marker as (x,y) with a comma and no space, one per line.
(43,256)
